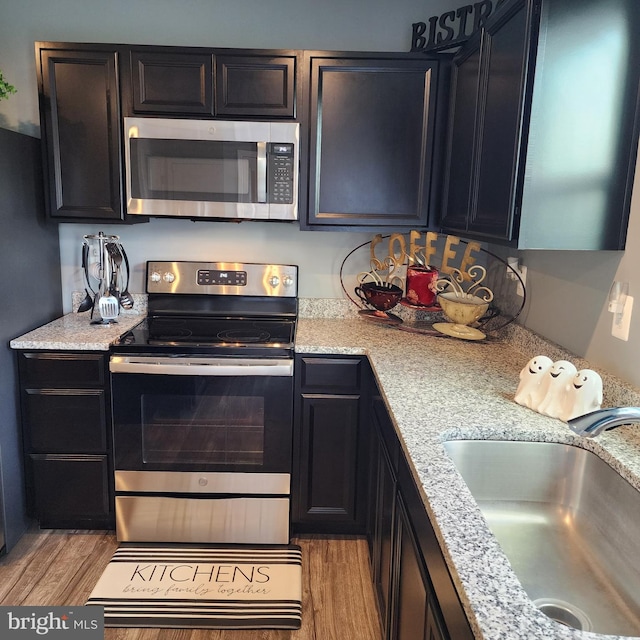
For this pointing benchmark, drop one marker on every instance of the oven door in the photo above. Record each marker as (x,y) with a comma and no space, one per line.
(202,414)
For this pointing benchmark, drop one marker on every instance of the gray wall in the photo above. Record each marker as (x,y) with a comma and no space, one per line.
(30,294)
(567,293)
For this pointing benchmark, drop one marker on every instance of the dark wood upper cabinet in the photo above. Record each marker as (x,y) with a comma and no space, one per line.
(172,82)
(506,58)
(543,127)
(210,83)
(86,90)
(488,112)
(81,125)
(464,86)
(373,137)
(255,85)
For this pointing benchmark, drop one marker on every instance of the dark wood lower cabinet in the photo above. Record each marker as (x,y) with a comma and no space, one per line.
(329,434)
(412,592)
(330,458)
(382,529)
(416,596)
(350,475)
(435,627)
(417,616)
(66,434)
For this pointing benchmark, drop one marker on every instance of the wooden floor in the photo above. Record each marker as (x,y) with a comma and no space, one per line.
(56,567)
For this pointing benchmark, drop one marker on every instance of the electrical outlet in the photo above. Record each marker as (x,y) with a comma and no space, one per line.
(622,321)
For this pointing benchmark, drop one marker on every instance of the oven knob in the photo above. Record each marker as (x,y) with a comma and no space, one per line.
(287,281)
(274,281)
(168,277)
(155,276)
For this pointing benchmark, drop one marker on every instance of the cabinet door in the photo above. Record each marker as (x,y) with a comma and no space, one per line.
(328,460)
(488,124)
(383,538)
(172,82)
(371,145)
(80,119)
(412,586)
(505,50)
(260,86)
(465,78)
(435,626)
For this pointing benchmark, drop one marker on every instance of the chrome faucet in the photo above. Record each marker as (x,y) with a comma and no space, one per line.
(594,423)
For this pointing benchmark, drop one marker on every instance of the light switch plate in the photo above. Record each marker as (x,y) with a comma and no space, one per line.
(620,326)
(523,275)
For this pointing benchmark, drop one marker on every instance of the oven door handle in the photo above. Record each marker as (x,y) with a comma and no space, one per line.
(184,366)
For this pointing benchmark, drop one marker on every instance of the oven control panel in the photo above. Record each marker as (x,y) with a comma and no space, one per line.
(226,278)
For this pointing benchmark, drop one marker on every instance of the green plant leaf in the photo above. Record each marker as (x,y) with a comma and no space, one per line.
(6,89)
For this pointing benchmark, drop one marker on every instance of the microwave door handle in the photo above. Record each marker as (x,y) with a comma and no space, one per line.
(261,161)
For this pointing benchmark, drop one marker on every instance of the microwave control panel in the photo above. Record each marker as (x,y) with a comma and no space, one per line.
(280,172)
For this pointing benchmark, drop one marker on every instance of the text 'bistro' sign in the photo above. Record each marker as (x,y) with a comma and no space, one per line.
(452,28)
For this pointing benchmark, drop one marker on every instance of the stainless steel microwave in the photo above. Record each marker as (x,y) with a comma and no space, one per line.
(212,169)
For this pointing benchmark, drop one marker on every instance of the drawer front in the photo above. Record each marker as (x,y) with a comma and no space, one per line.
(66,421)
(62,370)
(71,486)
(326,375)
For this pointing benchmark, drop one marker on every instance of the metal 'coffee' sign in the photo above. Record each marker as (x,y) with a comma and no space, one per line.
(452,28)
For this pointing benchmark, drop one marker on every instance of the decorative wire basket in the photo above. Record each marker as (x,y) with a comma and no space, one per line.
(505,283)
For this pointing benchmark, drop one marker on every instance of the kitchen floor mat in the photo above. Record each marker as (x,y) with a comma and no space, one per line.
(208,587)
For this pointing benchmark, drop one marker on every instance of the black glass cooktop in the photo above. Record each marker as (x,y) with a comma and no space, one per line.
(186,334)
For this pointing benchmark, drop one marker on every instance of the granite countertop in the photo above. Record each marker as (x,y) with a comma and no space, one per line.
(438,389)
(74,332)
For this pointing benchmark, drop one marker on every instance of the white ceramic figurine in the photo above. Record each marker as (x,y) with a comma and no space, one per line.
(555,386)
(531,377)
(584,394)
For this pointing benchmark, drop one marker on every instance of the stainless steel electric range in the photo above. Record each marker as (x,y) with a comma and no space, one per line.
(202,404)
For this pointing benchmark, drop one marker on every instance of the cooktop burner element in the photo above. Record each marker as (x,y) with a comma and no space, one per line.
(244,335)
(235,309)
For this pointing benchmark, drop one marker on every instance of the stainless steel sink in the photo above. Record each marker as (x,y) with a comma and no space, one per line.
(568,523)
